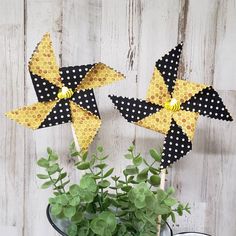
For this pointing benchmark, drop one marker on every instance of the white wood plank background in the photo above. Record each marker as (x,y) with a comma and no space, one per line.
(129,35)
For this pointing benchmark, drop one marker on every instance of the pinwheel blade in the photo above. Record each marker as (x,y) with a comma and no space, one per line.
(158,92)
(187,121)
(208,103)
(60,114)
(99,75)
(43,62)
(32,116)
(168,66)
(86,100)
(132,109)
(72,76)
(176,145)
(184,90)
(45,90)
(86,125)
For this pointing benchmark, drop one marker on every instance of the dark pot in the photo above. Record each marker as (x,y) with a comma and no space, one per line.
(61,226)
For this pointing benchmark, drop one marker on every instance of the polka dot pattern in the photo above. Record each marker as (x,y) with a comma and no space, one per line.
(159,121)
(132,109)
(158,92)
(45,90)
(184,90)
(86,100)
(33,115)
(168,66)
(176,145)
(86,125)
(98,76)
(72,76)
(187,121)
(60,114)
(43,62)
(208,103)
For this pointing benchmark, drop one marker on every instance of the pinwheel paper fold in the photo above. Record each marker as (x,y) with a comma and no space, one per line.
(172,107)
(64,94)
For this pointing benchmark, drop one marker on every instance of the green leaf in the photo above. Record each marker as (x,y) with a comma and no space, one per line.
(49,150)
(155,180)
(74,190)
(130,170)
(108,173)
(62,176)
(172,214)
(53,156)
(153,170)
(84,156)
(143,175)
(100,149)
(47,184)
(155,155)
(78,217)
(69,211)
(75,201)
(72,230)
(75,154)
(137,161)
(129,156)
(83,166)
(56,209)
(41,176)
(170,202)
(104,184)
(101,166)
(170,191)
(53,169)
(42,162)
(126,188)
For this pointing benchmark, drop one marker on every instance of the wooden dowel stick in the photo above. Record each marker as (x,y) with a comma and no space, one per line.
(75,138)
(162,186)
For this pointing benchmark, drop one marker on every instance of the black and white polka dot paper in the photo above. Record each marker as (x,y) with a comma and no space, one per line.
(176,145)
(86,99)
(60,114)
(208,103)
(72,76)
(168,66)
(132,109)
(45,90)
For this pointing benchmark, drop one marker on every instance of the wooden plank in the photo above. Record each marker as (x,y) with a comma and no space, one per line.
(41,17)
(224,68)
(12,136)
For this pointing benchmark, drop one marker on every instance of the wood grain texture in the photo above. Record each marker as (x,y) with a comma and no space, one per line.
(128,35)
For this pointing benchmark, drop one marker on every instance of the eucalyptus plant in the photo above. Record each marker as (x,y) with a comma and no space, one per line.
(107,205)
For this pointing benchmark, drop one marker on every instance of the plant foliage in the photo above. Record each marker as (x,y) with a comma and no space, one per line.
(107,205)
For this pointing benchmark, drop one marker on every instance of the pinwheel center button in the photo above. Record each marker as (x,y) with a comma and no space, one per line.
(65,93)
(172,105)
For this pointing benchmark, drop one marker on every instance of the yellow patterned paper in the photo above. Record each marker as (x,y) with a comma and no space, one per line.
(98,76)
(31,116)
(43,62)
(187,121)
(86,125)
(184,90)
(157,91)
(159,121)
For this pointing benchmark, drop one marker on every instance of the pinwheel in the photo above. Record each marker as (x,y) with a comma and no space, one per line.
(172,107)
(64,94)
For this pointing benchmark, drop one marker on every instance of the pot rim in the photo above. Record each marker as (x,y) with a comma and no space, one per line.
(64,234)
(51,222)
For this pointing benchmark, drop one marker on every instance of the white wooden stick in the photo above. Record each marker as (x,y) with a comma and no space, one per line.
(162,186)
(75,138)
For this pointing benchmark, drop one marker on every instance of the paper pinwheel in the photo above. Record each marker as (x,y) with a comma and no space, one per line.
(172,107)
(64,94)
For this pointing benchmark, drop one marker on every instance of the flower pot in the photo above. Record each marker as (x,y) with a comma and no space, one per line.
(61,227)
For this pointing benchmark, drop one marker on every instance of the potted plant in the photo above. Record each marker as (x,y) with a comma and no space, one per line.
(106,205)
